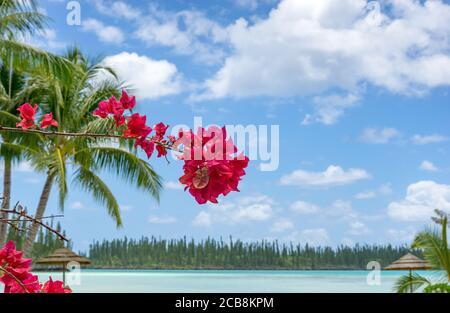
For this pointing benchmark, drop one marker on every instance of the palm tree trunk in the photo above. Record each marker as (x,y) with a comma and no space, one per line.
(6,200)
(31,235)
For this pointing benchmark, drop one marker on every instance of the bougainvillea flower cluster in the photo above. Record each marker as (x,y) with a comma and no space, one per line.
(15,274)
(28,115)
(211,167)
(211,164)
(135,125)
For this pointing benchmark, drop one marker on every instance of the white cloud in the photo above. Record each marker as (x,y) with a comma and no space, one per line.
(379,136)
(312,237)
(427,139)
(77,205)
(384,189)
(332,176)
(303,207)
(422,198)
(428,166)
(252,4)
(22,167)
(282,225)
(126,207)
(310,46)
(402,235)
(187,32)
(173,185)
(328,109)
(117,9)
(366,195)
(358,228)
(162,220)
(150,78)
(247,209)
(107,34)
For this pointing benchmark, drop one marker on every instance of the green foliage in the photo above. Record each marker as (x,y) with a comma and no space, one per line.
(410,283)
(72,101)
(210,253)
(437,288)
(46,241)
(435,249)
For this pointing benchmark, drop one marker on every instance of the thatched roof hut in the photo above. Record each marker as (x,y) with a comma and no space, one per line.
(62,257)
(409,262)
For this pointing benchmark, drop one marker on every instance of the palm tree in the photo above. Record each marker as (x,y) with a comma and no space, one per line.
(12,91)
(18,19)
(436,251)
(72,104)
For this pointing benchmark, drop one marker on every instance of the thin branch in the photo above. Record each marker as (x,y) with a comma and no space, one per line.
(20,212)
(71,134)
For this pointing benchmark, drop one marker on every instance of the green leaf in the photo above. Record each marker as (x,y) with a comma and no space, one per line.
(93,184)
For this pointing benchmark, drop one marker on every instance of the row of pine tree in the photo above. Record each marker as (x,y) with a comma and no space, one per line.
(211,253)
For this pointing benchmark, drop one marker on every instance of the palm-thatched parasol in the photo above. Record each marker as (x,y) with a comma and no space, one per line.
(63,257)
(409,262)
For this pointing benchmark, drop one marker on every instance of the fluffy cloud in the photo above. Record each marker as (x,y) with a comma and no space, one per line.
(427,139)
(384,189)
(306,47)
(422,198)
(312,237)
(23,167)
(162,220)
(329,109)
(253,4)
(117,9)
(77,205)
(358,228)
(282,225)
(173,185)
(303,207)
(428,166)
(187,32)
(150,78)
(247,209)
(379,136)
(108,34)
(332,176)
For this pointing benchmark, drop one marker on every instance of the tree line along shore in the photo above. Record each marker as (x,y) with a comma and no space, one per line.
(183,253)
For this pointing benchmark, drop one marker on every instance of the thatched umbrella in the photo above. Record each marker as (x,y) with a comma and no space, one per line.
(409,262)
(63,257)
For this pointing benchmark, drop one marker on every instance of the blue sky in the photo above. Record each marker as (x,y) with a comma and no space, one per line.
(360,92)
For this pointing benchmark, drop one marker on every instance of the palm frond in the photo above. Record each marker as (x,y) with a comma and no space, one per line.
(93,184)
(27,58)
(434,249)
(126,165)
(410,283)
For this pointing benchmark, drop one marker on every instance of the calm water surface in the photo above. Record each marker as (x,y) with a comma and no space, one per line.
(228,281)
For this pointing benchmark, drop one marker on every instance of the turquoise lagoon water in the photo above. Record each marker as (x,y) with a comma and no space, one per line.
(200,281)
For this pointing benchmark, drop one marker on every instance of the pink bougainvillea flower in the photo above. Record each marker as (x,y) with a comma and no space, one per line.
(146,145)
(16,274)
(102,110)
(127,102)
(210,167)
(136,127)
(160,130)
(120,120)
(55,287)
(113,107)
(162,151)
(48,121)
(29,283)
(27,113)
